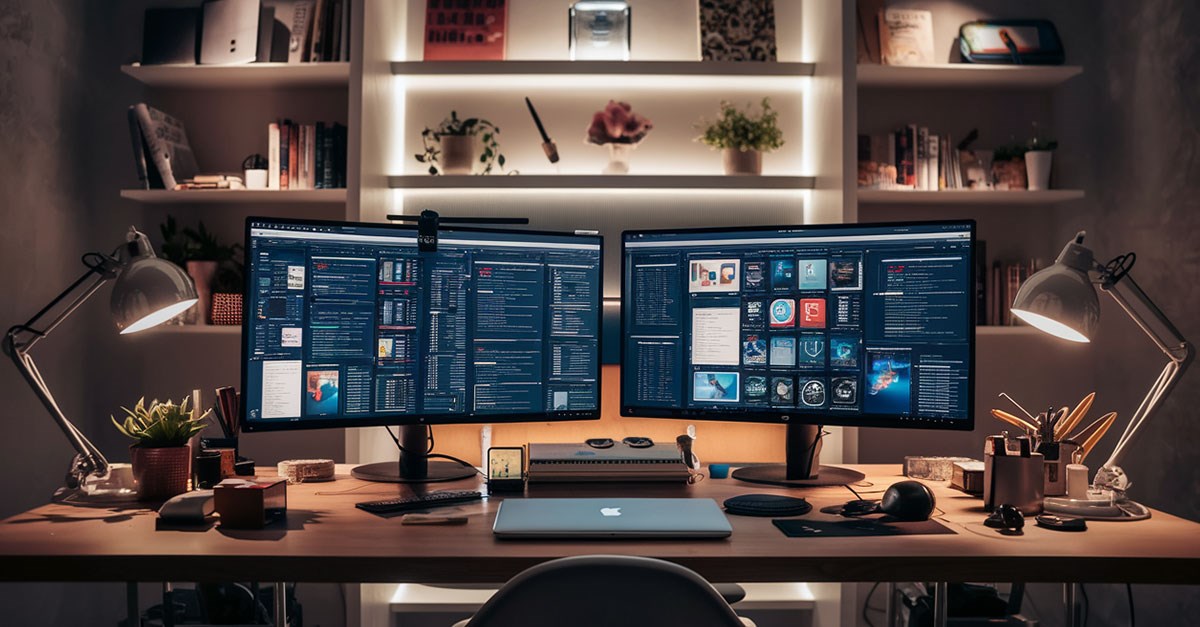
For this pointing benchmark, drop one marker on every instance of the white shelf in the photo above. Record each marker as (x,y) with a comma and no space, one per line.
(966,75)
(557,75)
(598,181)
(231,196)
(250,75)
(959,197)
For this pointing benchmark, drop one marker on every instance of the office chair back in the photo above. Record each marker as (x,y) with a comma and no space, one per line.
(606,591)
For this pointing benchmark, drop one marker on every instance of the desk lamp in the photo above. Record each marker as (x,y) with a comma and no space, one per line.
(148,292)
(1061,300)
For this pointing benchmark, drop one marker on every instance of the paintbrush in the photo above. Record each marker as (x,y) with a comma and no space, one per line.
(548,146)
(1090,443)
(1064,428)
(1016,421)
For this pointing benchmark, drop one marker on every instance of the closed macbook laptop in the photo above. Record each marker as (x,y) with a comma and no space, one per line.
(610,518)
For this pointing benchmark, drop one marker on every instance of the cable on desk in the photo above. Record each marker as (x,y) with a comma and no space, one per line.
(429,454)
(867,606)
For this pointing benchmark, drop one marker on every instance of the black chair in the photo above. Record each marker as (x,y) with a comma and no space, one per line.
(606,590)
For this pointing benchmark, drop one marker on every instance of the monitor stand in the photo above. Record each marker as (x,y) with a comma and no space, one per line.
(802,468)
(414,465)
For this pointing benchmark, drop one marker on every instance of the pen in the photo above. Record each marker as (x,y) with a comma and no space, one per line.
(547,146)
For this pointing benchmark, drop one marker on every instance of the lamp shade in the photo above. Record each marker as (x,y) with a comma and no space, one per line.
(1061,300)
(148,290)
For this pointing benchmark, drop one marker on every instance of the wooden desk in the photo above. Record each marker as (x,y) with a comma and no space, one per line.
(327,539)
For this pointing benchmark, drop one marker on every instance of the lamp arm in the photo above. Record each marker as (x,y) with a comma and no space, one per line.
(1165,336)
(21,338)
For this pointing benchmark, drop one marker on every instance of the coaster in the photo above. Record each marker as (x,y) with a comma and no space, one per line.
(767,505)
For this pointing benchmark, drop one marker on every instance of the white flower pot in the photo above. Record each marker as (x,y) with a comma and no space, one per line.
(1037,168)
(742,162)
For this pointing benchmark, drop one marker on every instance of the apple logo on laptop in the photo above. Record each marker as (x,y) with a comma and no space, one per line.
(610,511)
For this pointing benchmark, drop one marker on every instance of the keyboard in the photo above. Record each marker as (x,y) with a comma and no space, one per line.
(420,502)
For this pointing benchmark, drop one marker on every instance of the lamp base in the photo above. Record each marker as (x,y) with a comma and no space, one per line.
(116,489)
(1099,505)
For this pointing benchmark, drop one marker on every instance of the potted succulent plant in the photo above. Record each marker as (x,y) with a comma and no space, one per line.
(162,459)
(742,138)
(619,128)
(450,148)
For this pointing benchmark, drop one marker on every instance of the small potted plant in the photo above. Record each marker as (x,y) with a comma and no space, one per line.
(203,256)
(227,293)
(741,138)
(450,147)
(162,459)
(619,128)
(1038,159)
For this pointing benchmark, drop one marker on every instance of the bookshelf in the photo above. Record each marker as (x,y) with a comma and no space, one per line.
(967,197)
(966,76)
(207,330)
(250,76)
(234,196)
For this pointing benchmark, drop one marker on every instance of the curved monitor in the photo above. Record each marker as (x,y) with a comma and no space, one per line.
(855,325)
(350,324)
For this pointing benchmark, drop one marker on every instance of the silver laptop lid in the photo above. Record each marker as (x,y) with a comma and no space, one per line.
(611,517)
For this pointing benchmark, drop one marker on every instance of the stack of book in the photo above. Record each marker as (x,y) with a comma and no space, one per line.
(909,158)
(306,156)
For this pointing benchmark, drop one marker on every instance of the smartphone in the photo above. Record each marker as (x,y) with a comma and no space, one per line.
(506,469)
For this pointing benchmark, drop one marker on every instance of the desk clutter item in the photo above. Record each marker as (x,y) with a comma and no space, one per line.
(1006,517)
(1012,473)
(1011,42)
(419,502)
(1061,523)
(804,528)
(250,503)
(968,477)
(931,468)
(910,501)
(766,505)
(189,508)
(306,470)
(619,462)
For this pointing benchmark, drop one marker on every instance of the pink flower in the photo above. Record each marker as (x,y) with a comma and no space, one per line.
(617,123)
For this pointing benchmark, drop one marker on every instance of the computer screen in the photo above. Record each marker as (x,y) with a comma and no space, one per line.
(350,324)
(869,325)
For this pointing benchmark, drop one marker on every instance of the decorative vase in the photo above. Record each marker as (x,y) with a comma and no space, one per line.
(161,473)
(458,154)
(1037,168)
(742,162)
(618,158)
(1010,174)
(226,308)
(202,273)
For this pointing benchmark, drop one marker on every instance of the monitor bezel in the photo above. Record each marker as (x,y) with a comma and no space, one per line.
(785,416)
(295,424)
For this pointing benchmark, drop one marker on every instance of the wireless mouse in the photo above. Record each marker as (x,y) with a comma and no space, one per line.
(908,501)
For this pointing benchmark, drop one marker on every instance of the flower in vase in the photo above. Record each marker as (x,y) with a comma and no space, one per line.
(617,124)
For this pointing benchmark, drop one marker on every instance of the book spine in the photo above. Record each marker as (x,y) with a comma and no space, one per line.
(319,156)
(158,151)
(344,53)
(285,138)
(310,157)
(340,170)
(327,162)
(293,156)
(273,155)
(910,157)
(935,177)
(139,152)
(901,148)
(299,32)
(994,316)
(922,158)
(318,30)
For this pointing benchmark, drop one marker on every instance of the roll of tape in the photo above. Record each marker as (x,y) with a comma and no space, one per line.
(305,470)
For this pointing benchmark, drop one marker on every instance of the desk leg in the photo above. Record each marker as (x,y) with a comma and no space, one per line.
(890,606)
(1069,590)
(168,605)
(281,619)
(132,615)
(940,601)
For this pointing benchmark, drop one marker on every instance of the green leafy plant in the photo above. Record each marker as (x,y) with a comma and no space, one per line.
(204,245)
(175,247)
(736,128)
(160,425)
(1009,152)
(1040,141)
(469,127)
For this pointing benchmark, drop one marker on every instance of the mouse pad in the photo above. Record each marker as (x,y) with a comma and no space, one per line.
(800,528)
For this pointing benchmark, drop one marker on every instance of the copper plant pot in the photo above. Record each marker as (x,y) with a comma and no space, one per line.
(458,154)
(742,162)
(161,473)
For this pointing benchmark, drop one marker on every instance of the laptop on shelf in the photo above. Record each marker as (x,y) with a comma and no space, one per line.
(620,518)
